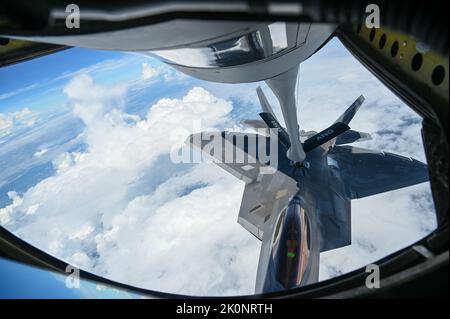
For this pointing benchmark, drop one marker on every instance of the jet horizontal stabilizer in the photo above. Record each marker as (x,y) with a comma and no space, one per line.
(272,122)
(256,124)
(351,111)
(351,136)
(325,136)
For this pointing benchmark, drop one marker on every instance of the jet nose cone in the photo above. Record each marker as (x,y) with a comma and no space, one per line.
(291,246)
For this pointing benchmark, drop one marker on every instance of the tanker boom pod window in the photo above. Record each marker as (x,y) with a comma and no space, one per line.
(278,34)
(264,42)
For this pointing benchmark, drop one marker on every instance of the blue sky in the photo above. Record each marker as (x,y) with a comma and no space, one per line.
(38,83)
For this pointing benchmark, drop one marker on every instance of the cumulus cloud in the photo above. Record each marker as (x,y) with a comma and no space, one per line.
(6,212)
(41,152)
(66,160)
(6,122)
(148,71)
(12,120)
(89,213)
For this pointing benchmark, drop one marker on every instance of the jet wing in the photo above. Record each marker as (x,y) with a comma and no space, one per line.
(366,172)
(262,199)
(264,193)
(239,161)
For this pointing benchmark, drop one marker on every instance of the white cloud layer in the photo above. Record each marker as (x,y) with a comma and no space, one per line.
(123,211)
(88,215)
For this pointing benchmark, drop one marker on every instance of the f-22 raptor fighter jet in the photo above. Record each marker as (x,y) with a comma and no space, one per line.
(304,208)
